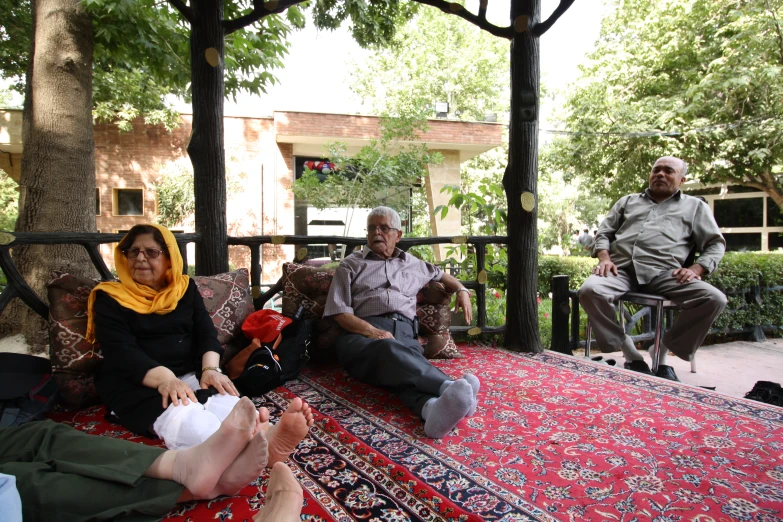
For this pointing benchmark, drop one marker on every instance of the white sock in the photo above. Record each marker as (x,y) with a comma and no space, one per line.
(474,383)
(441,414)
(629,350)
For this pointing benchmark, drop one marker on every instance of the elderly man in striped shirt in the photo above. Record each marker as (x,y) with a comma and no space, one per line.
(373,298)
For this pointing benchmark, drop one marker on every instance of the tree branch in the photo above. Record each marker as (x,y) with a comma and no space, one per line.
(458,10)
(777,26)
(482,14)
(184,10)
(544,26)
(260,10)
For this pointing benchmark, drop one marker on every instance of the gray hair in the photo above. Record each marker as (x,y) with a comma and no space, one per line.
(684,168)
(388,213)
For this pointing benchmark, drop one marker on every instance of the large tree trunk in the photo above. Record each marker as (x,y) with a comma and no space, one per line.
(206,147)
(57,187)
(520,179)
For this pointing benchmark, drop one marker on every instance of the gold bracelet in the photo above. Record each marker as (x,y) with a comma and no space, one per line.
(215,368)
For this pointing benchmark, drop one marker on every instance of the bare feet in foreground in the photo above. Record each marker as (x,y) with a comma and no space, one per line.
(284,497)
(249,464)
(200,468)
(289,431)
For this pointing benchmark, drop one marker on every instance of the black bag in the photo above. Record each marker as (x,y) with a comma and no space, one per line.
(264,372)
(27,388)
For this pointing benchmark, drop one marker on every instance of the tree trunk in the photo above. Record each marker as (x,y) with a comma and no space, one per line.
(520,181)
(57,186)
(206,147)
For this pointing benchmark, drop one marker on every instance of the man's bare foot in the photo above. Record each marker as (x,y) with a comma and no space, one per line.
(289,431)
(199,468)
(250,463)
(284,497)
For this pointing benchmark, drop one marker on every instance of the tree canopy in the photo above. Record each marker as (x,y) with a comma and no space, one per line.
(699,79)
(437,58)
(142,54)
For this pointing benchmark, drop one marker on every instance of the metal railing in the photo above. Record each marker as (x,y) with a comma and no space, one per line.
(18,287)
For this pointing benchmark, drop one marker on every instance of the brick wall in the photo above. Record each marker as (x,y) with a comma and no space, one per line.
(368,127)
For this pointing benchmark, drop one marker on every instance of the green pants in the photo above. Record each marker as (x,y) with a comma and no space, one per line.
(63,474)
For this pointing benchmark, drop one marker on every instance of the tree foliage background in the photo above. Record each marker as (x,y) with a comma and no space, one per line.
(142,55)
(700,79)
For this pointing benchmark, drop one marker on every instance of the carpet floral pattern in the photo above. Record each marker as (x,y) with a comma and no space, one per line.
(554,438)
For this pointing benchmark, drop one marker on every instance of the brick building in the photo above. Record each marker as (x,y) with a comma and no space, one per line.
(262,156)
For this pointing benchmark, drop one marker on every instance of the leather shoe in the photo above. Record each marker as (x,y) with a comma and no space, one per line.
(638,366)
(666,372)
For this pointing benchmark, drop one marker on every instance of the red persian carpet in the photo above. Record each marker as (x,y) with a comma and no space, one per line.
(554,438)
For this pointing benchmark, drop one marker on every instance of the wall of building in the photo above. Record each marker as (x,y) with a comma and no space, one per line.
(258,172)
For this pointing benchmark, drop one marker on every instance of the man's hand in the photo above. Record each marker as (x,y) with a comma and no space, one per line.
(686,275)
(377,333)
(463,301)
(219,381)
(605,264)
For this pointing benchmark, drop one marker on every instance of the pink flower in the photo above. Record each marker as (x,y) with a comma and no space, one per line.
(497,294)
(546,315)
(538,300)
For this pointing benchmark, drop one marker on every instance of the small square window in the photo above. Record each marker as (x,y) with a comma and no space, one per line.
(129,202)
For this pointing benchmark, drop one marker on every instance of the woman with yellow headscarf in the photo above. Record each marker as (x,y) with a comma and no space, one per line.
(159,344)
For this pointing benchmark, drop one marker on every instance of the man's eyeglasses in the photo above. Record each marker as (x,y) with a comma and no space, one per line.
(149,253)
(383,229)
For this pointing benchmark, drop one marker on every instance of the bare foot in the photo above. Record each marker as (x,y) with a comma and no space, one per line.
(289,431)
(199,468)
(284,497)
(250,463)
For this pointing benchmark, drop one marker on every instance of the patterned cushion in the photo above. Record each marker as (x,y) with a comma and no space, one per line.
(228,300)
(432,307)
(308,286)
(74,362)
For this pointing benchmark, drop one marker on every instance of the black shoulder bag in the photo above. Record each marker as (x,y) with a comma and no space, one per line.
(268,368)
(27,388)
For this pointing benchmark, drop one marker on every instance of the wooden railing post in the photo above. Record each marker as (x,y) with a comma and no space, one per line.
(560,312)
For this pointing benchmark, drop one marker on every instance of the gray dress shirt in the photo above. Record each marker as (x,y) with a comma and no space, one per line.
(365,284)
(650,237)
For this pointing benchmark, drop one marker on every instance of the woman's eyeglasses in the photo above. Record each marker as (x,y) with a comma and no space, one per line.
(383,229)
(149,253)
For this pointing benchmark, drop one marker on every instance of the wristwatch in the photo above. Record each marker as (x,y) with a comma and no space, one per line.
(215,368)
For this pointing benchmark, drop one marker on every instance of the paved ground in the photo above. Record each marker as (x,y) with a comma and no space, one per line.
(732,368)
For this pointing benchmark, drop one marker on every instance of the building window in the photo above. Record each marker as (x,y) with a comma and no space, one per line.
(128,202)
(775,241)
(743,242)
(774,214)
(97,201)
(739,212)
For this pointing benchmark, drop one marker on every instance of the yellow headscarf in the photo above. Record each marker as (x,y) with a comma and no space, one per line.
(140,298)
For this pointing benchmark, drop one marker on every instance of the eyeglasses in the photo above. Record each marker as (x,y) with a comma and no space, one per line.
(383,229)
(149,253)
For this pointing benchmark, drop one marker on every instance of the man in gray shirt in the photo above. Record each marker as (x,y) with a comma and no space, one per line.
(643,245)
(373,298)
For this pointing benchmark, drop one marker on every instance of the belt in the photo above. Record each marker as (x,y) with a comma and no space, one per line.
(397,317)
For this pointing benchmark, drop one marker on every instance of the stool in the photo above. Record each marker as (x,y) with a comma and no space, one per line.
(660,304)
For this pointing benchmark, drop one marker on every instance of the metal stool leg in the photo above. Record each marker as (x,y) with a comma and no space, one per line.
(693,362)
(589,335)
(655,354)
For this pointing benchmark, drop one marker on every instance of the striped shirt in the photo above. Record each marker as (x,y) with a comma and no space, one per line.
(365,284)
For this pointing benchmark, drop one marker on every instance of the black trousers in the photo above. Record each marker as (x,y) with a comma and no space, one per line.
(398,364)
(63,474)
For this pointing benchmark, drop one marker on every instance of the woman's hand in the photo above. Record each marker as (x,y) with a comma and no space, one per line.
(219,381)
(176,390)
